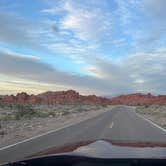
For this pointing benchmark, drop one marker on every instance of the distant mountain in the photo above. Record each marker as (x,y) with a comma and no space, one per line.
(73,97)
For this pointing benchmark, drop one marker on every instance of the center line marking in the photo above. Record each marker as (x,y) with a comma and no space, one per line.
(111,125)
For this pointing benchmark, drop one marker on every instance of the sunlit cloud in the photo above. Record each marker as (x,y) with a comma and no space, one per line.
(118,46)
(138,71)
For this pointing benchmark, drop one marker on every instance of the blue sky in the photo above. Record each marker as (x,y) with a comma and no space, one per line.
(106,47)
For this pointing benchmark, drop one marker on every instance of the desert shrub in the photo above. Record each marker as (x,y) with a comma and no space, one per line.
(2,133)
(24,111)
(1,105)
(6,116)
(23,107)
(24,114)
(146,106)
(104,105)
(65,113)
(52,113)
(41,114)
(82,108)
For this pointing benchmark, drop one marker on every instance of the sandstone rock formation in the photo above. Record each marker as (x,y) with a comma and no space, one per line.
(73,97)
(49,98)
(139,99)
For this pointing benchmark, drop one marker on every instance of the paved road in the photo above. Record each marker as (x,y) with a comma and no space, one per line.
(119,124)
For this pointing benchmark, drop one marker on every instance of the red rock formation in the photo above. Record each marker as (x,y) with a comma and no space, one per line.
(60,97)
(139,99)
(8,99)
(21,98)
(73,97)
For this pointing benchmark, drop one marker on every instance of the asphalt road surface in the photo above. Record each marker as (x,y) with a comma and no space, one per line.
(120,124)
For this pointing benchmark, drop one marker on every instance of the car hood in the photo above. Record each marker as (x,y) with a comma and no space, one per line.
(107,149)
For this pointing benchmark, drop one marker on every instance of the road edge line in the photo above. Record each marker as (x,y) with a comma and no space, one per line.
(150,121)
(48,132)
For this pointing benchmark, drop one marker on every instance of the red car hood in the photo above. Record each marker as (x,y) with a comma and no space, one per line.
(107,149)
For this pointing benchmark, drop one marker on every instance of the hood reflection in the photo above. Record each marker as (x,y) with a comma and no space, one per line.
(104,149)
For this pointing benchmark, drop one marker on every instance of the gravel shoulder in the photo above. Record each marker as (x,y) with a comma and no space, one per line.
(156,113)
(18,130)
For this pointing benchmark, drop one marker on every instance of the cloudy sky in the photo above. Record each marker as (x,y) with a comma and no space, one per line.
(103,47)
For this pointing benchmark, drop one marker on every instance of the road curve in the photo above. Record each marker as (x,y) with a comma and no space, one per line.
(120,124)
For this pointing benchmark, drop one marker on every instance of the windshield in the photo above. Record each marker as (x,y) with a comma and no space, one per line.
(76,72)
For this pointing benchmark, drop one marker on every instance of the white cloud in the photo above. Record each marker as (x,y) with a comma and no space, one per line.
(28,56)
(140,72)
(155,8)
(118,24)
(142,22)
(51,11)
(32,69)
(92,70)
(82,19)
(19,32)
(84,23)
(86,32)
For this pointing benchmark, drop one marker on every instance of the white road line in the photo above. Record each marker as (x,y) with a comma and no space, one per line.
(29,139)
(154,124)
(111,125)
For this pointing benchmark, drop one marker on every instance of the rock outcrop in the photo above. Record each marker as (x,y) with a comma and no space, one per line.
(49,98)
(73,97)
(139,99)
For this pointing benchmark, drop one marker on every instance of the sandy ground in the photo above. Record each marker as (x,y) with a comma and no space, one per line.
(156,113)
(18,130)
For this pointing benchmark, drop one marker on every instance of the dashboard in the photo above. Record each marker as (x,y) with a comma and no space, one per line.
(67,160)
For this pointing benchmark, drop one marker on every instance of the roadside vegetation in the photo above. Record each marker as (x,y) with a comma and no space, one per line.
(18,112)
(18,122)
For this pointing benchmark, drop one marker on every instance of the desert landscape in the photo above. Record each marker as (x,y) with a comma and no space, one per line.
(74,71)
(17,125)
(23,116)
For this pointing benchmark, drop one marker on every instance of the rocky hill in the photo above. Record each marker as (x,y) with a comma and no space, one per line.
(73,97)
(59,97)
(139,99)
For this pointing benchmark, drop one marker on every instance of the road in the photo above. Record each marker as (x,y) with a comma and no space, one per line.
(119,124)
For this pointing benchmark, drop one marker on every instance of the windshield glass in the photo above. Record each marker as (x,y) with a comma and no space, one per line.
(76,72)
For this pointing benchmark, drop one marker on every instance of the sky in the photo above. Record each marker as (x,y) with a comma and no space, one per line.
(102,47)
